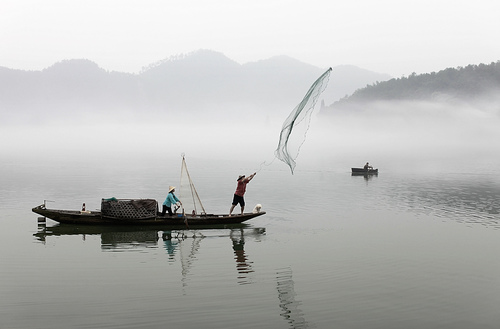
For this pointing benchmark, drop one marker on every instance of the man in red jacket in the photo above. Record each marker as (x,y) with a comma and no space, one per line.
(240,191)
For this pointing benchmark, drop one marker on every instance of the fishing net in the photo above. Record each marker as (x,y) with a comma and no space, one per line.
(129,208)
(191,203)
(298,121)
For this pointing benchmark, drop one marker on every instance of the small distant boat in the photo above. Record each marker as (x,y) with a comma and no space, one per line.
(363,171)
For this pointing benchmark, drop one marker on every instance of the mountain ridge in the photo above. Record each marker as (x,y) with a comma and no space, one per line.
(202,82)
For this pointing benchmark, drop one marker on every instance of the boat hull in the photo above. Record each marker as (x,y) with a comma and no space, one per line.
(95,218)
(363,171)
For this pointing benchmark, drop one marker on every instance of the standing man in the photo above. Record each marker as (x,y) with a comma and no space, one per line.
(240,191)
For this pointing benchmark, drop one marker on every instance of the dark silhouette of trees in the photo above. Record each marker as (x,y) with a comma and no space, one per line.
(464,83)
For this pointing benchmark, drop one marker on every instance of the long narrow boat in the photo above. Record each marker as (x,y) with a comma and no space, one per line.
(144,212)
(363,171)
(97,218)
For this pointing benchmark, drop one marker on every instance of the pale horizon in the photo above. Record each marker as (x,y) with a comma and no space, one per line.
(392,37)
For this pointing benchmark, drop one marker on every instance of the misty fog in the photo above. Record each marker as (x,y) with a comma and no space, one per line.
(417,135)
(393,136)
(208,107)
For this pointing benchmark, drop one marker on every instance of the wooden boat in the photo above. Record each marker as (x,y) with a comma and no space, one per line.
(363,171)
(96,218)
(145,211)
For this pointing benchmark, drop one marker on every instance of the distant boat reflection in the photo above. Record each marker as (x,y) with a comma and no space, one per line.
(367,177)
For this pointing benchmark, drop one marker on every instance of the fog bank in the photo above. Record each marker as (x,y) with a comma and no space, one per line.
(413,135)
(392,136)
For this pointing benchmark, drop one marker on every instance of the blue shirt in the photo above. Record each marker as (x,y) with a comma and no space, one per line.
(171,199)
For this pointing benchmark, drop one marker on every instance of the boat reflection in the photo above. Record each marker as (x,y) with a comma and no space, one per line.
(111,237)
(183,245)
(170,244)
(128,240)
(367,177)
(116,235)
(243,265)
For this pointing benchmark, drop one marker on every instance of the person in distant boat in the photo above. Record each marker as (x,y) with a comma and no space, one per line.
(169,201)
(367,166)
(240,191)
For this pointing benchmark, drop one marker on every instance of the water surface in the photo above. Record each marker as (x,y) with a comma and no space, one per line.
(396,250)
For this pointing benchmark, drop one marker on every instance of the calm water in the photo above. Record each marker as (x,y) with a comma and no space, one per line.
(398,250)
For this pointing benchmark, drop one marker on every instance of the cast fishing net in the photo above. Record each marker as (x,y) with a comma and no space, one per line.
(298,121)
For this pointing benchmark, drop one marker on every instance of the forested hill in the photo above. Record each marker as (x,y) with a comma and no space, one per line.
(468,83)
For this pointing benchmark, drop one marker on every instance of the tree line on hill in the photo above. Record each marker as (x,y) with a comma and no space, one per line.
(469,83)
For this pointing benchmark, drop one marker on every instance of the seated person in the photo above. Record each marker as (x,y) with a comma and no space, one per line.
(367,166)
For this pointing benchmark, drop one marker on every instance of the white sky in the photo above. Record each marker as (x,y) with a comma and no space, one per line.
(397,37)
